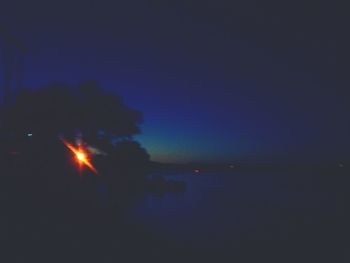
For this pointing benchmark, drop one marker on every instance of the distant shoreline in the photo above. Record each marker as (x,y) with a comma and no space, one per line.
(198,167)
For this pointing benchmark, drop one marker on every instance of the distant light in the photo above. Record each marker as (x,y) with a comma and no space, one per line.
(29,134)
(232,166)
(196,170)
(81,156)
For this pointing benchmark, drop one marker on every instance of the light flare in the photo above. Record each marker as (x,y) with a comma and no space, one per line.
(80,155)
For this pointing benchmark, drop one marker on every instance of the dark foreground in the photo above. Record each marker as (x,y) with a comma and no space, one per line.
(81,221)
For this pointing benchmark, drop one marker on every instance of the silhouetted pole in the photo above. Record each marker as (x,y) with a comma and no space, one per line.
(12,64)
(19,67)
(7,74)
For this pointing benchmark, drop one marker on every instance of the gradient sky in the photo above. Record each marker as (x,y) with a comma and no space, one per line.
(216,80)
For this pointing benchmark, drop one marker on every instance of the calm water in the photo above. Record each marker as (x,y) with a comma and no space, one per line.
(280,216)
(222,217)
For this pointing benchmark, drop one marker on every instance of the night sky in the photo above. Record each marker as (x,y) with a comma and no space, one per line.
(254,81)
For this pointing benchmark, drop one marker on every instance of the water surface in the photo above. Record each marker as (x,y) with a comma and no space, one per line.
(276,216)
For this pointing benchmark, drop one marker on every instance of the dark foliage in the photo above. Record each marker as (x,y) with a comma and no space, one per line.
(58,109)
(32,126)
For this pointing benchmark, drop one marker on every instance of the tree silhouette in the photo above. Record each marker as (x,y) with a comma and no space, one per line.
(61,109)
(101,118)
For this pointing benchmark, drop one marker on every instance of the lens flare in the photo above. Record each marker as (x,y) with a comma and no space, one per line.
(81,156)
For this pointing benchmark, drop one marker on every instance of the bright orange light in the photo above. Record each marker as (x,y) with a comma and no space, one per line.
(81,155)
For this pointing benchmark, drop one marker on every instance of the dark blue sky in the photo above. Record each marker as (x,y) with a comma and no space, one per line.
(216,80)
